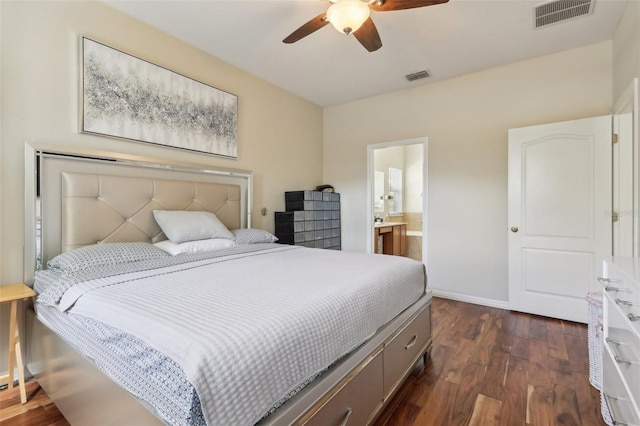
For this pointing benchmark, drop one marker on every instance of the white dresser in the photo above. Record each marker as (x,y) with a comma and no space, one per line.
(621,327)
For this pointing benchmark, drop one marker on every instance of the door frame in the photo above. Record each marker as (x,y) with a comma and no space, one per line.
(424,141)
(628,100)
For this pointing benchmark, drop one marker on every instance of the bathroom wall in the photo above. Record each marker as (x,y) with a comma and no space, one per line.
(409,159)
(383,159)
(413,190)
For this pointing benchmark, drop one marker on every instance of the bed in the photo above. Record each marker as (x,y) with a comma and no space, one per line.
(253,332)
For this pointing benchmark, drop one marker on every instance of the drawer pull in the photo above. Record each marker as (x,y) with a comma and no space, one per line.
(619,359)
(623,302)
(612,412)
(412,342)
(633,317)
(618,289)
(346,417)
(607,280)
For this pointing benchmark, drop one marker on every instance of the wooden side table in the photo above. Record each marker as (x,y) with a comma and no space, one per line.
(13,293)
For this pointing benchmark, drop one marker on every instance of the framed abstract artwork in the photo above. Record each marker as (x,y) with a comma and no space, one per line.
(129,98)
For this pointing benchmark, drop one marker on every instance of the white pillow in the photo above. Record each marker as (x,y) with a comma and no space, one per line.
(182,226)
(194,246)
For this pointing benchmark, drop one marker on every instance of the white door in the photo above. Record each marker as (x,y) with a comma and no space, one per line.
(559,215)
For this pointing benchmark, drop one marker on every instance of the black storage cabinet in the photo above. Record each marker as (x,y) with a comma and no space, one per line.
(312,219)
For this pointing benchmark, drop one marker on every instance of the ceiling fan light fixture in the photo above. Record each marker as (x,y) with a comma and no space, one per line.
(348,15)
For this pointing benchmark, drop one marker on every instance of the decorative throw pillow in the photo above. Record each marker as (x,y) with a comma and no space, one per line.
(182,226)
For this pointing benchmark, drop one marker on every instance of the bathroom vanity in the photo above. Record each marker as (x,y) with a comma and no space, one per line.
(390,238)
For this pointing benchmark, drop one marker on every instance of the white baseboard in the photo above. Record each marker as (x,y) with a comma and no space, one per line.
(501,304)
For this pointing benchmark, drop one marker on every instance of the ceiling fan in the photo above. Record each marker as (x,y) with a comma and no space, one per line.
(353,17)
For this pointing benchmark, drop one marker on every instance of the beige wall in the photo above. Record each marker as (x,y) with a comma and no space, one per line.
(280,135)
(466,120)
(626,49)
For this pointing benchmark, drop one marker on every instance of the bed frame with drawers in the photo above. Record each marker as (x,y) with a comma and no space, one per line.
(354,391)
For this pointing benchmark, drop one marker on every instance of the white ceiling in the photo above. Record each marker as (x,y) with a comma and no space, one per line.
(330,68)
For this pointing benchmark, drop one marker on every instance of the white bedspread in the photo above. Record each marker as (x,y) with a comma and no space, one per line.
(249,328)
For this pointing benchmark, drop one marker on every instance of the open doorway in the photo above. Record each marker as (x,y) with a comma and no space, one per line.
(397,195)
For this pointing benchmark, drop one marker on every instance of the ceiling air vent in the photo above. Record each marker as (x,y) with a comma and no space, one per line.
(417,75)
(561,10)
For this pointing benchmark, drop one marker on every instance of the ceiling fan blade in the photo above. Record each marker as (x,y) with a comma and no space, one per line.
(313,25)
(368,36)
(388,5)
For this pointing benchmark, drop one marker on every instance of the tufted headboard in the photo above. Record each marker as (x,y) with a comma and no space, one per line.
(107,209)
(83,197)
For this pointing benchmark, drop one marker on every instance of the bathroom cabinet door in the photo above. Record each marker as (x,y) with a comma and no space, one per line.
(400,240)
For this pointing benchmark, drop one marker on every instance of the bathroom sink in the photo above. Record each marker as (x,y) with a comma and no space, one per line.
(381,224)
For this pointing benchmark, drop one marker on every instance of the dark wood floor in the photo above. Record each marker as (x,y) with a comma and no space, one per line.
(495,367)
(38,411)
(488,367)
